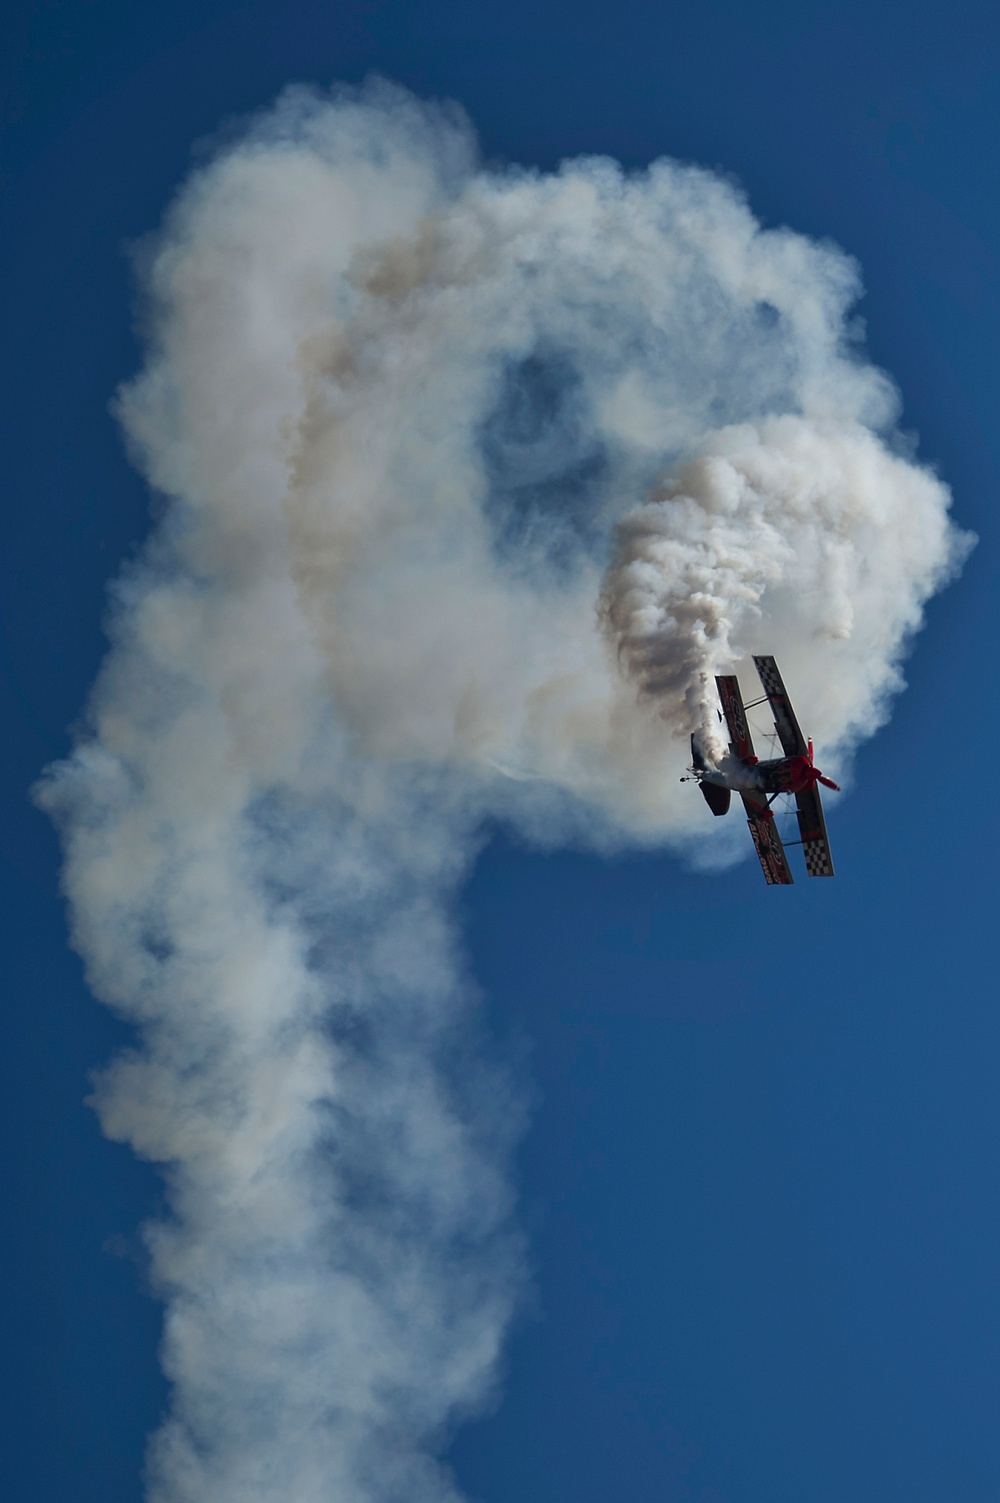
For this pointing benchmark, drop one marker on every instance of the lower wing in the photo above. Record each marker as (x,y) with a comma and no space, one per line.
(812,829)
(767,841)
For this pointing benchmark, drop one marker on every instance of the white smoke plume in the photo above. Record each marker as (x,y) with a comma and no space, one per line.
(470,479)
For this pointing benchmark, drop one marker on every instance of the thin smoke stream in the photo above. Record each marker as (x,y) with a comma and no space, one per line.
(471,480)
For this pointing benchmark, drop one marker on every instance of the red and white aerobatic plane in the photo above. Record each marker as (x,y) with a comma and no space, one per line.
(759,783)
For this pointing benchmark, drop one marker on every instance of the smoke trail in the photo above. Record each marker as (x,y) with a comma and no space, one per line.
(471,479)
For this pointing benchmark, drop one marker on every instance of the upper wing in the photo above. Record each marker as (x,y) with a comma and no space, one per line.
(732,707)
(792,740)
(812,828)
(767,841)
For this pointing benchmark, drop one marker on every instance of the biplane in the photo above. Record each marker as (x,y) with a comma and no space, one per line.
(759,783)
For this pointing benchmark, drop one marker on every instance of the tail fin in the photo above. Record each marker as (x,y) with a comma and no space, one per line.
(697,756)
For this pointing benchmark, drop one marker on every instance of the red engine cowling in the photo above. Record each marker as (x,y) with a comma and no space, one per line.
(800,772)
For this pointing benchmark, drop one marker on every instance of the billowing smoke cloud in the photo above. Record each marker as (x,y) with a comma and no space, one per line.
(794,529)
(470,480)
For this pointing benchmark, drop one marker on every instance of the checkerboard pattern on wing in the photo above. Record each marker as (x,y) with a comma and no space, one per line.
(819,862)
(769,676)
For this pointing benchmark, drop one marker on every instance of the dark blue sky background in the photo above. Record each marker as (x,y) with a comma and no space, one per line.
(762,1182)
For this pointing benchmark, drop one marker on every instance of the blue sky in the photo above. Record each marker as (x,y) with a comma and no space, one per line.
(761,1180)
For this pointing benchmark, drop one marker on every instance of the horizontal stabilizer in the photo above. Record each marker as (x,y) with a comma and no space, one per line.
(716,798)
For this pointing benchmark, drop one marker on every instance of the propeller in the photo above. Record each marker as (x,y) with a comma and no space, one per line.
(818,776)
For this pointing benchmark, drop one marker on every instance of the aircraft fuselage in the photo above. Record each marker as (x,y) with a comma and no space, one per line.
(785,774)
(779,775)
